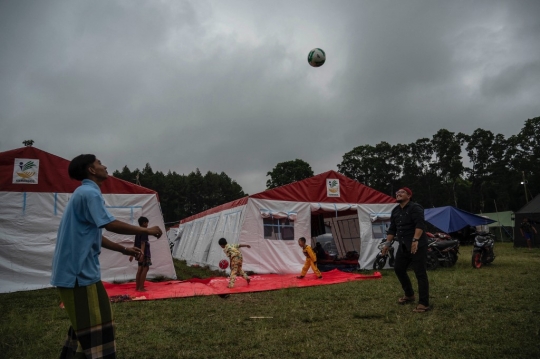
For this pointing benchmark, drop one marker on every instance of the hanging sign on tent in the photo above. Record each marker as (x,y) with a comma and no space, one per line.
(332,187)
(25,171)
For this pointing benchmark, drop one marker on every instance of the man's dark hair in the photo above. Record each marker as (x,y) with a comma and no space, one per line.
(302,239)
(78,167)
(143,220)
(222,241)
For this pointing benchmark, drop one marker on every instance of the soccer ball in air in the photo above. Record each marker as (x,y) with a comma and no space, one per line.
(223,264)
(316,57)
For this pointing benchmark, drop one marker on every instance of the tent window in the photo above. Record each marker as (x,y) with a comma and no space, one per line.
(379,229)
(278,228)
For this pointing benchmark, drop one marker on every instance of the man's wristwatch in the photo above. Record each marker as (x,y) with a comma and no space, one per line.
(415,240)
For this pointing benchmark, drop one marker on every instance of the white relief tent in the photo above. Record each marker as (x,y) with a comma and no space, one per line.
(272,221)
(34,190)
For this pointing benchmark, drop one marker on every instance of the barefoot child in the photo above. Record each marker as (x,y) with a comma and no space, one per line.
(233,252)
(145,260)
(311,259)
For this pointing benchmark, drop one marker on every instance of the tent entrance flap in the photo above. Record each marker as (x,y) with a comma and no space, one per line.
(340,220)
(346,234)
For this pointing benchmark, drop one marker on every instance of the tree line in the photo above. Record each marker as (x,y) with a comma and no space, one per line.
(478,172)
(184,195)
(497,173)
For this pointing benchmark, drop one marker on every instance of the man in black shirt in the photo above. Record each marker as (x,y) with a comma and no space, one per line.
(407,227)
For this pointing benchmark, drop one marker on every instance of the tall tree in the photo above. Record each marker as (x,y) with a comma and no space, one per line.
(417,173)
(125,174)
(288,172)
(448,161)
(194,193)
(479,147)
(173,197)
(375,166)
(219,189)
(499,188)
(527,158)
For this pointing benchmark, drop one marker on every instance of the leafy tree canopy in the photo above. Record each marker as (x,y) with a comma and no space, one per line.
(488,179)
(288,172)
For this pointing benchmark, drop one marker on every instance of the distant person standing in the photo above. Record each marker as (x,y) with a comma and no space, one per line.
(75,268)
(407,227)
(527,230)
(145,259)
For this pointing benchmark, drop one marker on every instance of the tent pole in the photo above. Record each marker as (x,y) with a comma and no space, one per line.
(498,219)
(524,183)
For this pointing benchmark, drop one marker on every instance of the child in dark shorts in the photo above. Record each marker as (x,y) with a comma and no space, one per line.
(145,260)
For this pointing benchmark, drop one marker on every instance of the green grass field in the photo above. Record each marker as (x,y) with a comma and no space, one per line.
(493,312)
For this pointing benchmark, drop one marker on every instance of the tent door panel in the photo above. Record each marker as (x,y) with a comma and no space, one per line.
(346,233)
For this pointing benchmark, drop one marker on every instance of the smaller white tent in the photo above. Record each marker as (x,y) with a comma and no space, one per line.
(171,235)
(34,191)
(272,221)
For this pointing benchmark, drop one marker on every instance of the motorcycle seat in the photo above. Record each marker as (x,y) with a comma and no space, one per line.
(445,243)
(483,239)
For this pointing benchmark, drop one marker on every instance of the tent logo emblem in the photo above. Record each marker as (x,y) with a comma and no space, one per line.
(25,171)
(332,188)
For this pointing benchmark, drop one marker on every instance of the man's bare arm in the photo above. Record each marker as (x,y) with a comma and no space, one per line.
(128,251)
(120,227)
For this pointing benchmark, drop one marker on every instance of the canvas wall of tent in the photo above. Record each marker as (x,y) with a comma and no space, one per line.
(503,227)
(34,190)
(272,221)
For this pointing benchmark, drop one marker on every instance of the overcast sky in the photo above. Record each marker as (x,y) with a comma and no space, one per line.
(226,86)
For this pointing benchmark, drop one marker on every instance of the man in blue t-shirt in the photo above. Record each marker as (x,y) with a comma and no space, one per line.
(75,268)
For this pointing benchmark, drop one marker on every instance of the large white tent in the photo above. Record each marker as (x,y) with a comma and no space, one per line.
(34,190)
(272,221)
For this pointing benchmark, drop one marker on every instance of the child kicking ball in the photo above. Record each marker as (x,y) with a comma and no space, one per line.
(235,256)
(311,259)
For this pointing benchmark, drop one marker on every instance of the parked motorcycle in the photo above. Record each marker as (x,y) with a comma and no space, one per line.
(380,260)
(482,252)
(442,250)
(438,235)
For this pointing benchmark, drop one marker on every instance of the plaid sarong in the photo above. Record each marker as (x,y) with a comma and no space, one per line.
(91,334)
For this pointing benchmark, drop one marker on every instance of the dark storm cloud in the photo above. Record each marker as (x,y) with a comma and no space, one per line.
(225,86)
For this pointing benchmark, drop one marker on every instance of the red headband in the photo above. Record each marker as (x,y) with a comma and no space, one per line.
(406,189)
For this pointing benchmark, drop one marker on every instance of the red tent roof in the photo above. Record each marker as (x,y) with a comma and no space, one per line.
(53,175)
(312,190)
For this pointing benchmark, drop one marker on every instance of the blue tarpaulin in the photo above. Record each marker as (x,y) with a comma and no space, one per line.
(450,219)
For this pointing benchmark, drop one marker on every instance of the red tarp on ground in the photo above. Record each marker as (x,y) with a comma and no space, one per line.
(218,285)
